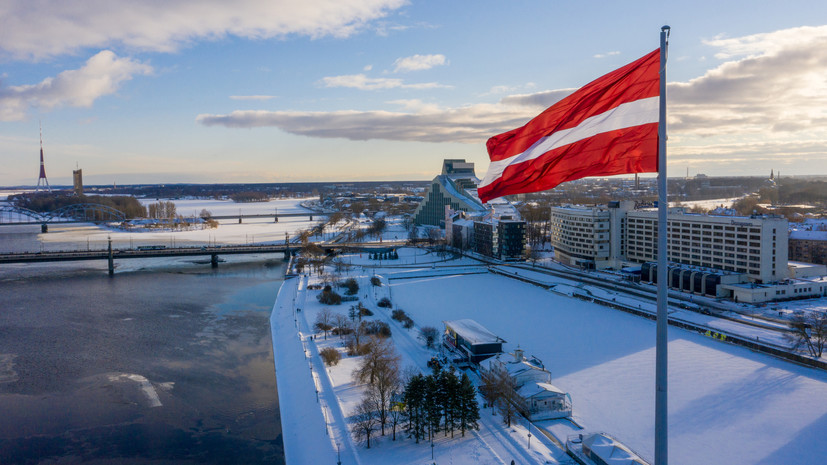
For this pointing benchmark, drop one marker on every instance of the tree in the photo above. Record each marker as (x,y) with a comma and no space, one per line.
(385,383)
(379,356)
(430,335)
(364,420)
(329,297)
(414,398)
(809,330)
(396,414)
(205,214)
(375,281)
(341,323)
(499,389)
(352,286)
(324,320)
(468,411)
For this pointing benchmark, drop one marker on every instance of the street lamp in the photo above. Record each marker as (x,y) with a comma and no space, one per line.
(529,435)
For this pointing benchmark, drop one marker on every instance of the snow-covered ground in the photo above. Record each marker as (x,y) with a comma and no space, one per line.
(726,404)
(312,438)
(193,207)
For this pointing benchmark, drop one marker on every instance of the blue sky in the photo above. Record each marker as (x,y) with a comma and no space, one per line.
(338,90)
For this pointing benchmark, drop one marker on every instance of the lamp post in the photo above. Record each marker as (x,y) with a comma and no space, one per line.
(338,456)
(529,435)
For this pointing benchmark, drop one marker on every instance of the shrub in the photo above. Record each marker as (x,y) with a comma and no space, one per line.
(399,315)
(408,323)
(330,356)
(341,330)
(375,281)
(384,302)
(329,297)
(378,328)
(364,311)
(352,286)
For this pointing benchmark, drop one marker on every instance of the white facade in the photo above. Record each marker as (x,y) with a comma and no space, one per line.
(605,237)
(590,237)
(754,246)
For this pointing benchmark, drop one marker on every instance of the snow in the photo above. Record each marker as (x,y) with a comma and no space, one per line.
(472,331)
(726,404)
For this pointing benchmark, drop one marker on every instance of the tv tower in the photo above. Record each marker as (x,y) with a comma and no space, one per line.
(42,176)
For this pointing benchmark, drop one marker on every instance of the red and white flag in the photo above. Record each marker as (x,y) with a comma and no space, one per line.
(607,127)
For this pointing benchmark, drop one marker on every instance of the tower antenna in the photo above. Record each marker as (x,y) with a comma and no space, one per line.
(42,176)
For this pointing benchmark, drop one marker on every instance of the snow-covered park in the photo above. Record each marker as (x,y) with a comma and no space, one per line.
(726,404)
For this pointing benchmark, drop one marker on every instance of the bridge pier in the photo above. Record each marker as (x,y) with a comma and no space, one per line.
(44,228)
(311,217)
(277,219)
(239,220)
(214,259)
(111,260)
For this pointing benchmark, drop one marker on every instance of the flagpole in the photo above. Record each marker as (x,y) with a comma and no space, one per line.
(661,436)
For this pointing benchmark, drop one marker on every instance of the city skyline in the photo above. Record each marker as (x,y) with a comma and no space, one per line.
(385,89)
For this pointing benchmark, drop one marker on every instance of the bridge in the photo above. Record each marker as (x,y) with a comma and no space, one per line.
(11,215)
(76,213)
(213,251)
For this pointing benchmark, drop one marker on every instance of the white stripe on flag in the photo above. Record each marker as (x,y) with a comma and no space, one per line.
(626,115)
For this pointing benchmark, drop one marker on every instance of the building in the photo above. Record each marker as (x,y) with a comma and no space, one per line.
(472,340)
(590,238)
(609,237)
(808,242)
(603,449)
(455,187)
(532,381)
(754,246)
(77,181)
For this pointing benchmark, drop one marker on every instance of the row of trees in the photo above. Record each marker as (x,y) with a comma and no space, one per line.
(46,202)
(438,402)
(427,405)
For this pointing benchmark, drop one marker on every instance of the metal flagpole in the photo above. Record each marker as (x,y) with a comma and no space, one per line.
(661,436)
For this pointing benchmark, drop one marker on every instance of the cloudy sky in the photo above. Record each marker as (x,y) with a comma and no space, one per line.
(156,91)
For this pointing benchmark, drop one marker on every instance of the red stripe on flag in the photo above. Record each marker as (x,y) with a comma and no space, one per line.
(637,80)
(621,151)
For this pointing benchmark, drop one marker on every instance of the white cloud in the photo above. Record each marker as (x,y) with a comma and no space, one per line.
(418,62)
(367,68)
(102,75)
(362,82)
(43,28)
(769,108)
(252,97)
(607,54)
(420,122)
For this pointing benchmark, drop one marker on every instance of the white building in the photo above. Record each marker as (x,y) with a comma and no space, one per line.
(755,246)
(590,238)
(533,383)
(606,237)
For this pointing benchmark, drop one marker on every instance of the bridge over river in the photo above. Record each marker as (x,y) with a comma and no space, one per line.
(161,251)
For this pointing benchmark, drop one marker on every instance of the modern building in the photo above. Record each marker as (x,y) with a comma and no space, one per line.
(590,238)
(455,187)
(611,236)
(472,340)
(754,246)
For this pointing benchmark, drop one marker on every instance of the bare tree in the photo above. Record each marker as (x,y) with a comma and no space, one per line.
(379,357)
(396,414)
(430,335)
(324,320)
(341,323)
(364,420)
(385,383)
(810,331)
(500,390)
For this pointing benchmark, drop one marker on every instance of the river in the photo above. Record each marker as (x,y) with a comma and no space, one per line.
(169,364)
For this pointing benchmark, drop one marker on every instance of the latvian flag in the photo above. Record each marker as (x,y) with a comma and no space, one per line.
(607,127)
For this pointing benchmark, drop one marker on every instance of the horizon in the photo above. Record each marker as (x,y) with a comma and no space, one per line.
(383,90)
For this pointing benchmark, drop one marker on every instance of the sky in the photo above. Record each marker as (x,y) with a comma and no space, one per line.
(180,91)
